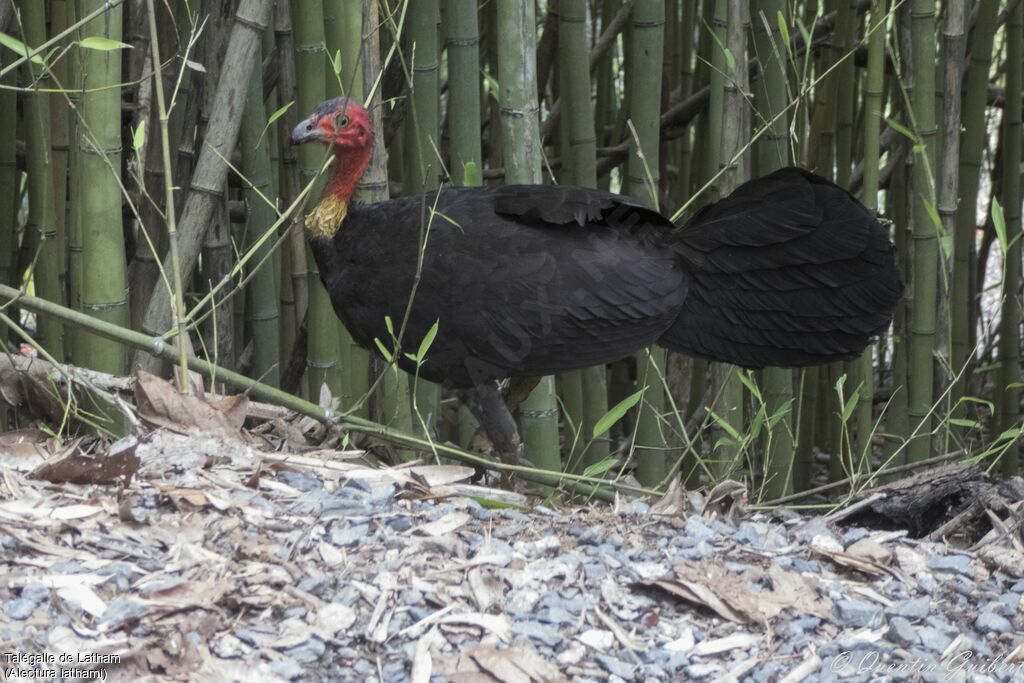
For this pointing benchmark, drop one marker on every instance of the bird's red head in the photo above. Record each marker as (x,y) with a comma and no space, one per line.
(347,129)
(340,123)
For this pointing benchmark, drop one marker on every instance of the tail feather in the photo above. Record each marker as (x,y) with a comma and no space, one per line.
(789,270)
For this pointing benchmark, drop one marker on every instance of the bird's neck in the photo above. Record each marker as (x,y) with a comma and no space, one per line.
(349,165)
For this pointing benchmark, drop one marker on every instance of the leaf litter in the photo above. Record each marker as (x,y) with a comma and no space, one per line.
(230,541)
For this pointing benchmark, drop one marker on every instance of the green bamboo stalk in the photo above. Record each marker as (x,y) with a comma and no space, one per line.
(642,182)
(261,293)
(588,387)
(772,152)
(104,280)
(322,362)
(355,360)
(926,249)
(972,144)
(463,87)
(41,230)
(421,171)
(8,177)
(874,85)
(60,115)
(516,39)
(725,99)
(951,62)
(393,398)
(1008,385)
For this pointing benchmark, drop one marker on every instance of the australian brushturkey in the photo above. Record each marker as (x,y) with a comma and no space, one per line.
(527,280)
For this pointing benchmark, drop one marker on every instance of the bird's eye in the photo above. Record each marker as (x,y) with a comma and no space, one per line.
(343,122)
(309,126)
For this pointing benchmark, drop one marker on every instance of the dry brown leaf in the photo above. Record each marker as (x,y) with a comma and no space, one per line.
(24,383)
(117,466)
(485,664)
(697,593)
(495,623)
(161,404)
(673,503)
(727,499)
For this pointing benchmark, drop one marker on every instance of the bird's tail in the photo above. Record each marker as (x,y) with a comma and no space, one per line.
(789,270)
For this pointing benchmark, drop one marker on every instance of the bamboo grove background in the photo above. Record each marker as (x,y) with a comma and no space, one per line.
(146,180)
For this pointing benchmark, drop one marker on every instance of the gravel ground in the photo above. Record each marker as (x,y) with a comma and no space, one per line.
(222,563)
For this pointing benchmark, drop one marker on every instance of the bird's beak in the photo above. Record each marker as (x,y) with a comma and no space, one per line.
(307,131)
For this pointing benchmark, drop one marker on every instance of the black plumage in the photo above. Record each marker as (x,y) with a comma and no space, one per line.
(789,270)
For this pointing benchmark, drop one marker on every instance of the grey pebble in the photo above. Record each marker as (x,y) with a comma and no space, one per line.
(917,608)
(515,516)
(541,633)
(400,524)
(990,622)
(308,651)
(951,563)
(933,638)
(615,666)
(348,536)
(859,613)
(286,668)
(20,608)
(903,632)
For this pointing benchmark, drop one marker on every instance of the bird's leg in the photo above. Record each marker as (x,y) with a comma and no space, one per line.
(490,410)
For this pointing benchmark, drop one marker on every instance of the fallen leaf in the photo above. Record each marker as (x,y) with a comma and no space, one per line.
(159,403)
(117,466)
(444,525)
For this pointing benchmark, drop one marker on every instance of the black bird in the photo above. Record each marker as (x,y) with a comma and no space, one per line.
(529,280)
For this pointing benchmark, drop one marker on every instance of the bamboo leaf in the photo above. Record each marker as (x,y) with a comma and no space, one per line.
(383,350)
(336,63)
(784,30)
(599,468)
(389,325)
(615,413)
(747,379)
(102,44)
(851,405)
(428,339)
(724,424)
(274,117)
(18,47)
(999,223)
(471,174)
(901,129)
(961,422)
(139,136)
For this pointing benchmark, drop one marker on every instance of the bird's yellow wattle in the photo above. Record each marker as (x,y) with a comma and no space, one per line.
(325,219)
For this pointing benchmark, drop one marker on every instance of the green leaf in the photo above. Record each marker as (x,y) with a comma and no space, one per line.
(756,423)
(784,30)
(103,44)
(273,117)
(599,468)
(471,175)
(851,405)
(493,504)
(961,422)
(724,424)
(1010,434)
(336,63)
(389,325)
(999,223)
(780,413)
(615,414)
(839,384)
(19,48)
(428,339)
(747,379)
(139,136)
(383,350)
(901,129)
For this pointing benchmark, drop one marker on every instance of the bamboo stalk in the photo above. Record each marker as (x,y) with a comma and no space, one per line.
(420,174)
(588,387)
(771,153)
(41,230)
(261,307)
(646,46)
(211,171)
(874,87)
(972,144)
(926,249)
(1008,386)
(517,78)
(463,87)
